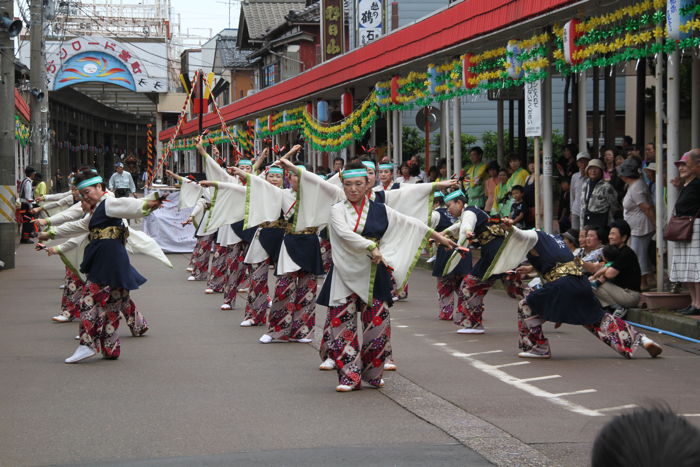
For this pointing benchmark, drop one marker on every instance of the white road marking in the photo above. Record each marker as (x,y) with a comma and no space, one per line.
(511,364)
(619,407)
(419,335)
(439,344)
(401,326)
(539,378)
(502,376)
(691,414)
(573,393)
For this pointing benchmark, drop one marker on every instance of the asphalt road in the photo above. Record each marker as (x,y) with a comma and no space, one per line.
(200,390)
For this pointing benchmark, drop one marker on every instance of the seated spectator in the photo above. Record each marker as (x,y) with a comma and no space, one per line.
(581,241)
(620,281)
(517,208)
(593,248)
(570,238)
(647,438)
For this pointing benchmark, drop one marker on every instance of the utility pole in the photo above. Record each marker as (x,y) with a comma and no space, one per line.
(8,228)
(39,106)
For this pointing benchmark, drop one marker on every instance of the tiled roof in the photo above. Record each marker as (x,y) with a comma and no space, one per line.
(229,56)
(310,14)
(264,15)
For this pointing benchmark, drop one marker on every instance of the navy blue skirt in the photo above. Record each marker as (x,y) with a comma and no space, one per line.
(271,240)
(488,254)
(106,262)
(382,287)
(463,268)
(305,250)
(567,300)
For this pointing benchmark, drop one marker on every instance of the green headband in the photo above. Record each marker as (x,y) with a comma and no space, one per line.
(369,165)
(386,166)
(352,173)
(275,170)
(438,194)
(244,162)
(453,195)
(89,182)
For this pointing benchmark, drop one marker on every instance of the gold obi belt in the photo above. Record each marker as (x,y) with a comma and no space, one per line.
(572,268)
(109,233)
(308,231)
(278,224)
(491,232)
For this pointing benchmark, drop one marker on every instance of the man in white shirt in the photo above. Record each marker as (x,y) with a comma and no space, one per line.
(576,189)
(121,182)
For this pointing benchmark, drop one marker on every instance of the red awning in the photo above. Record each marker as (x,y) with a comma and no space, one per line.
(21,107)
(459,23)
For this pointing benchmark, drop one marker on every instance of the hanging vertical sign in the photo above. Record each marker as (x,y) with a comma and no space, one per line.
(370,14)
(533,108)
(332,28)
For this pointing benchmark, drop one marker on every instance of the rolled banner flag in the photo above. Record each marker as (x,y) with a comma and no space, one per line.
(432,77)
(466,72)
(569,36)
(322,109)
(395,89)
(346,104)
(674,18)
(514,66)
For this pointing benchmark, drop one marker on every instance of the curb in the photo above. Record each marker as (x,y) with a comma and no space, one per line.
(666,320)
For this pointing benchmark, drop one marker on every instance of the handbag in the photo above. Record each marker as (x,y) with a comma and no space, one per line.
(680,228)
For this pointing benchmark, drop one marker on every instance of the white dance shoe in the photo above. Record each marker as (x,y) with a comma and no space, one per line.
(389,366)
(191,278)
(477,330)
(80,354)
(209,291)
(189,269)
(225,307)
(265,338)
(60,319)
(248,323)
(652,347)
(305,340)
(327,365)
(343,388)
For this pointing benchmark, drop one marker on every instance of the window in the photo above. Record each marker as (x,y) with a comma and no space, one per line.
(271,74)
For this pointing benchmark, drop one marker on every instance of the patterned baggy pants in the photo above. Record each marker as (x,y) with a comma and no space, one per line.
(72,293)
(258,293)
(447,288)
(475,289)
(219,268)
(237,271)
(100,309)
(326,256)
(292,313)
(614,332)
(355,363)
(200,257)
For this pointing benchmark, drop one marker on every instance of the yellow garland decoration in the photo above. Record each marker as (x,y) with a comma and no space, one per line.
(617,15)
